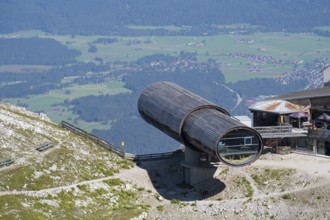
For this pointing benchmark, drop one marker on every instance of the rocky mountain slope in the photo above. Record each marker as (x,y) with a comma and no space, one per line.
(72,180)
(76,179)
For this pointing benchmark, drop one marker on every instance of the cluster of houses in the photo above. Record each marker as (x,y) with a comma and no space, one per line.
(299,121)
(262,58)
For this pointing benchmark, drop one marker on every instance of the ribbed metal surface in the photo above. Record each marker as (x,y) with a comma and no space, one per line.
(203,128)
(165,105)
(188,118)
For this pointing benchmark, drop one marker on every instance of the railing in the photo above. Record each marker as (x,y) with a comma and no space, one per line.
(153,156)
(6,162)
(278,131)
(111,147)
(117,150)
(44,147)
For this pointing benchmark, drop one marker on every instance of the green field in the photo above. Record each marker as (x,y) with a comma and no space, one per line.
(52,103)
(282,46)
(45,101)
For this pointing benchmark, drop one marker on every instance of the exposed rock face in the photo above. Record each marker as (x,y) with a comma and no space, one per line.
(21,131)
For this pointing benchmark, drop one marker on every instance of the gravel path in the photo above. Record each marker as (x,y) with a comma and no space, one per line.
(313,165)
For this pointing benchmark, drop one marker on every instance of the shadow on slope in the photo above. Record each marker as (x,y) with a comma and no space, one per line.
(167,178)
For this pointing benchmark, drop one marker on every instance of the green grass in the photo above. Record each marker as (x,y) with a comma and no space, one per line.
(271,175)
(175,201)
(245,184)
(16,178)
(160,208)
(77,168)
(287,196)
(12,203)
(63,205)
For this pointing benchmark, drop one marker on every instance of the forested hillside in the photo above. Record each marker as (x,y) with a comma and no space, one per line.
(35,51)
(113,17)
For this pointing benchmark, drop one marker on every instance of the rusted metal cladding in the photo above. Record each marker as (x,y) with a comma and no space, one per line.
(195,121)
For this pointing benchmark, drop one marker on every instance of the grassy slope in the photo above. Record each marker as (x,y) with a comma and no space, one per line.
(71,161)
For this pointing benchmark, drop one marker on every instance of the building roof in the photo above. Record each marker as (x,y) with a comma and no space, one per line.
(277,106)
(306,94)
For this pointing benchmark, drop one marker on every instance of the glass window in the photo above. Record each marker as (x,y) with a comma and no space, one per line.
(239,147)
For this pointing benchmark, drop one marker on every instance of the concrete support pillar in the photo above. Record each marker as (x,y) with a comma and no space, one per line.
(191,156)
(196,171)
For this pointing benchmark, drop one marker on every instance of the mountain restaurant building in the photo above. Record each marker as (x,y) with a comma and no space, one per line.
(299,120)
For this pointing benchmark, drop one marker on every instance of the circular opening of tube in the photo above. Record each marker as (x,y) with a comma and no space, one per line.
(239,147)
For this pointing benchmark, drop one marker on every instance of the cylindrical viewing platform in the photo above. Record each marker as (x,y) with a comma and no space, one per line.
(199,124)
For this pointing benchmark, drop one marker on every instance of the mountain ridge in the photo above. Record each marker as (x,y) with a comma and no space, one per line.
(105,17)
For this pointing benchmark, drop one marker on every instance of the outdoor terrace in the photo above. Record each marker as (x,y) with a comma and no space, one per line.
(281,131)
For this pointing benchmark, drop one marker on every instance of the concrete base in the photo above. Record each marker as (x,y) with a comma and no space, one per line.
(195,170)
